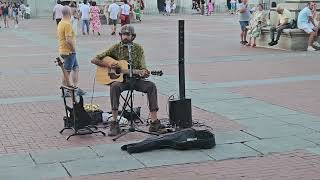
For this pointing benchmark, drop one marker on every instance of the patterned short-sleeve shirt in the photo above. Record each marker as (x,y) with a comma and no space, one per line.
(119,52)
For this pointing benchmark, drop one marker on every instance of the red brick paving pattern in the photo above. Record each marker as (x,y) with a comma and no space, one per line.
(35,126)
(296,165)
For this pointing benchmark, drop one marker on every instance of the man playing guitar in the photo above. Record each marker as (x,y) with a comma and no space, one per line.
(120,52)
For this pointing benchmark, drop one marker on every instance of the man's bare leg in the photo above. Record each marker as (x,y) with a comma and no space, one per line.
(114,115)
(153,116)
(311,38)
(65,80)
(75,77)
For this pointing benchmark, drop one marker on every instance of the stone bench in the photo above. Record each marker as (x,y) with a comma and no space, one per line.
(291,39)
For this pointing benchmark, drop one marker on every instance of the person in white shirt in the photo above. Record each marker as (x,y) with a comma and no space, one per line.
(114,10)
(125,13)
(85,16)
(57,12)
(168,7)
(23,10)
(306,23)
(28,11)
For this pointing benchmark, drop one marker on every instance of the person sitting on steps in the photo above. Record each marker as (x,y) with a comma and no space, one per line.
(284,22)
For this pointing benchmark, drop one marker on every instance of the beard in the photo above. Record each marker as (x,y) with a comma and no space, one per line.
(126,41)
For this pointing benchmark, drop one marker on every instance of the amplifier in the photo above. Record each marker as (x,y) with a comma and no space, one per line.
(180,114)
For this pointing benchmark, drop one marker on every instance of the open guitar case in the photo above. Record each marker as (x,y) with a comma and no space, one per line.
(77,119)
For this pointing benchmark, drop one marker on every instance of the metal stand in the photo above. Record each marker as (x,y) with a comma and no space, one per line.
(129,101)
(72,122)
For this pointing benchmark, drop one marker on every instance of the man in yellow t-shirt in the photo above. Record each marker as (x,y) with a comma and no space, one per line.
(66,38)
(284,22)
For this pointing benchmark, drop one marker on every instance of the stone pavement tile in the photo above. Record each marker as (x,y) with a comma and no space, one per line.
(278,131)
(170,157)
(302,119)
(271,110)
(281,144)
(233,137)
(300,96)
(315,150)
(295,165)
(243,114)
(111,151)
(39,172)
(230,151)
(265,121)
(219,107)
(63,155)
(102,165)
(12,160)
(203,95)
(313,137)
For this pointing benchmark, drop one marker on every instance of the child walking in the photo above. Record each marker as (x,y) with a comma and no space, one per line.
(210,8)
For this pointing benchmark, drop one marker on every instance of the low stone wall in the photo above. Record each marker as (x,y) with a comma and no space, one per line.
(291,39)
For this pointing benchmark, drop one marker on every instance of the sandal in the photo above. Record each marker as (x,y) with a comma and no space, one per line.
(248,44)
(253,45)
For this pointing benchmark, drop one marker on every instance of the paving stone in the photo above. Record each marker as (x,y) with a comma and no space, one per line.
(313,137)
(39,172)
(278,131)
(267,122)
(282,144)
(111,151)
(230,151)
(315,150)
(300,119)
(102,165)
(233,137)
(170,157)
(11,160)
(271,110)
(63,155)
(237,115)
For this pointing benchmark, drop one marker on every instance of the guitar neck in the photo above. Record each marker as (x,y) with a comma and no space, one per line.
(134,71)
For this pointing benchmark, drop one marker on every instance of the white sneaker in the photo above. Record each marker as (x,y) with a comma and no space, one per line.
(310,48)
(316,44)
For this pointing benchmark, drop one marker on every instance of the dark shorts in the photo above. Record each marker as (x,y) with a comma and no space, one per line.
(58,20)
(70,62)
(114,22)
(243,25)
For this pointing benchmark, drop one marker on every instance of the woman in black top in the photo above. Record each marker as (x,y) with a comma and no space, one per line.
(5,12)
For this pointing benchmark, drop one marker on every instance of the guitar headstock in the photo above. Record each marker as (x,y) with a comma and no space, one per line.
(58,62)
(157,73)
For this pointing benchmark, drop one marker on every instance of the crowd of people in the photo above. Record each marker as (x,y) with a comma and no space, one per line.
(204,7)
(88,13)
(10,11)
(252,22)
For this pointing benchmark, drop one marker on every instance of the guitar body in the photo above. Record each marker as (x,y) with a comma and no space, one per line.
(105,75)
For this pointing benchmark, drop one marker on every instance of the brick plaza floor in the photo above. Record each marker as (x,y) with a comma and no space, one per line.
(262,104)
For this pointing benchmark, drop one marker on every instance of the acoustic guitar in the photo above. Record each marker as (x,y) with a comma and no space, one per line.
(106,76)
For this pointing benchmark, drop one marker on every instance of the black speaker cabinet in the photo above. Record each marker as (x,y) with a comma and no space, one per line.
(180,114)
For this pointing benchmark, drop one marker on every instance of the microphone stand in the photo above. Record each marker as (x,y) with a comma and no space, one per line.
(132,127)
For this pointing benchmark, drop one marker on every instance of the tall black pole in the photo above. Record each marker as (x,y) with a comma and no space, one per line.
(182,89)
